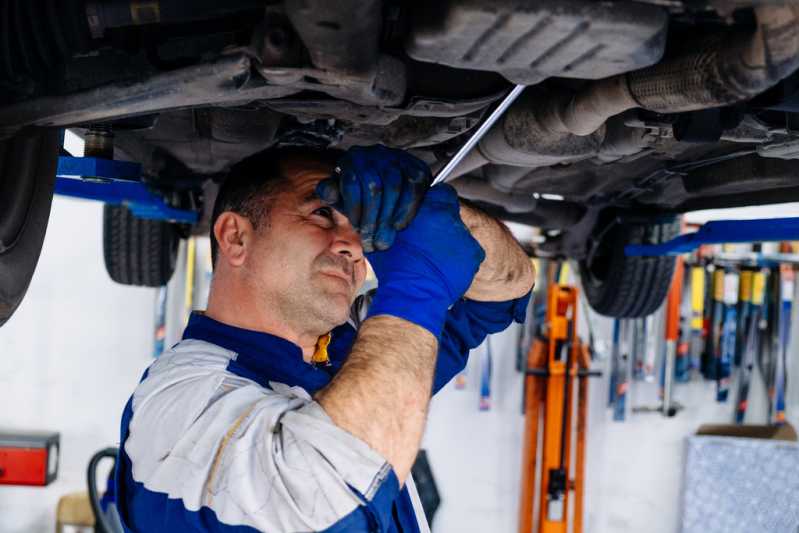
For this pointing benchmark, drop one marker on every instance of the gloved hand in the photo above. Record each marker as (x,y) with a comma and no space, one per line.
(379,190)
(430,265)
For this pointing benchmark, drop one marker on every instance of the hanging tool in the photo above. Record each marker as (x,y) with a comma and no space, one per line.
(526,335)
(682,368)
(752,342)
(160,321)
(682,372)
(188,287)
(671,335)
(696,343)
(707,361)
(768,333)
(554,363)
(728,336)
(622,371)
(767,327)
(593,348)
(614,361)
(744,308)
(485,376)
(535,314)
(639,348)
(716,323)
(653,349)
(563,273)
(786,292)
(546,272)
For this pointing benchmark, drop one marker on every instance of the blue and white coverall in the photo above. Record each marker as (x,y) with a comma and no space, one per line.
(222,434)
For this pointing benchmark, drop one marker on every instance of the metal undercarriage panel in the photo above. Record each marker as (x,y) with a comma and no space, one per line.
(529,41)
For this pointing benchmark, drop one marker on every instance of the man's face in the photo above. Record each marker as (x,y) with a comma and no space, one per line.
(307,257)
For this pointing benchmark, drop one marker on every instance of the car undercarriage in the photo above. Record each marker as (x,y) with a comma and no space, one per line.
(634,112)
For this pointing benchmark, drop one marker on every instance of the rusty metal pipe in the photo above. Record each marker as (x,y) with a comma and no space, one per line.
(718,74)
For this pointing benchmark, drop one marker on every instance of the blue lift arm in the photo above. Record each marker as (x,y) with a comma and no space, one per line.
(119,182)
(115,182)
(720,232)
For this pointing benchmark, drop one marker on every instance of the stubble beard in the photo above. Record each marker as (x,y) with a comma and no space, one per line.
(325,306)
(315,303)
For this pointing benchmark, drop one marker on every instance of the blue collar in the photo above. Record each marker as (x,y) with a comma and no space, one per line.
(263,357)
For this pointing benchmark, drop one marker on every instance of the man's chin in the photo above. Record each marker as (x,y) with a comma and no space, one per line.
(335,306)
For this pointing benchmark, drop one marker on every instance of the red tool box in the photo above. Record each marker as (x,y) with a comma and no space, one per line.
(29,458)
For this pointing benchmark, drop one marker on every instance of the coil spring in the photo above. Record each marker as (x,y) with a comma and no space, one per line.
(38,35)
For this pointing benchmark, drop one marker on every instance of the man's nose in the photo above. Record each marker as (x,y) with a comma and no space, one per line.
(347,241)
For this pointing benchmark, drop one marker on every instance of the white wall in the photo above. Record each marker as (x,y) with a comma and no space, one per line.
(69,358)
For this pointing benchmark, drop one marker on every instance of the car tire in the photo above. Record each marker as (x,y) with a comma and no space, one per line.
(628,287)
(27,176)
(138,251)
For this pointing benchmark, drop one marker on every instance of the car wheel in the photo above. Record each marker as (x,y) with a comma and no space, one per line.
(138,251)
(628,287)
(27,176)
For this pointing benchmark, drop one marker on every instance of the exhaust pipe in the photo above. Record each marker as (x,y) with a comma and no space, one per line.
(719,74)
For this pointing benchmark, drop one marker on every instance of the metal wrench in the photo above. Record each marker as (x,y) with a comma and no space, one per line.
(442,175)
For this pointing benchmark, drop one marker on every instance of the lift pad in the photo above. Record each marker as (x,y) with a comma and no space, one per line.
(115,182)
(721,232)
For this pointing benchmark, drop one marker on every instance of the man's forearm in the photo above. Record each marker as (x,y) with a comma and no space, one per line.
(507,272)
(382,392)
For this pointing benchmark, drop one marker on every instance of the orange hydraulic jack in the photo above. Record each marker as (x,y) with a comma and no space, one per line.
(553,366)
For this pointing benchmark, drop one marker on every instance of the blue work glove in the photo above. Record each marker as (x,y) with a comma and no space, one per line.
(430,265)
(379,190)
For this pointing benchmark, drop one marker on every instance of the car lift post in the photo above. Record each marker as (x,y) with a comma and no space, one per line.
(553,365)
(673,303)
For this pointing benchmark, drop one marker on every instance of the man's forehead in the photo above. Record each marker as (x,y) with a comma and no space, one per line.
(297,164)
(305,173)
(301,176)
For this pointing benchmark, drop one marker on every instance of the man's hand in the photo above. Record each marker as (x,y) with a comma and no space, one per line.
(430,265)
(379,190)
(382,391)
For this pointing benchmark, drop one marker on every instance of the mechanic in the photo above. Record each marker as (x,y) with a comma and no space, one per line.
(290,405)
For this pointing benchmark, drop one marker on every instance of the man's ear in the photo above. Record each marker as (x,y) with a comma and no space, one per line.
(234,235)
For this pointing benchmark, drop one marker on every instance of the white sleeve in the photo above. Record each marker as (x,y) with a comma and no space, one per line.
(269,459)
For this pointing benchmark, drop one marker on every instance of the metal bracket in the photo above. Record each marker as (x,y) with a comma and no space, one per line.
(720,232)
(115,182)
